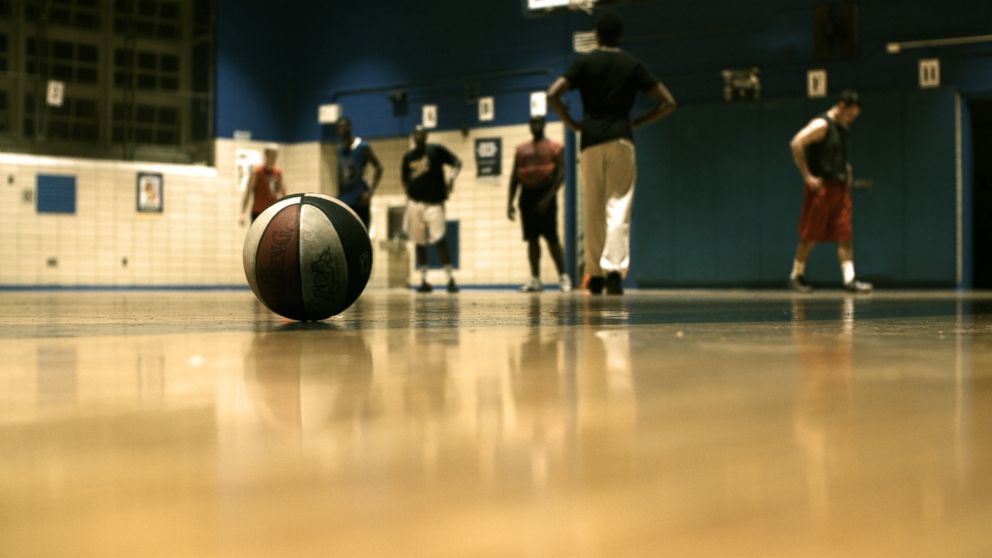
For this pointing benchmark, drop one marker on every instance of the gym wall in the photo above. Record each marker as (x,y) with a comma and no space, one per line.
(718,196)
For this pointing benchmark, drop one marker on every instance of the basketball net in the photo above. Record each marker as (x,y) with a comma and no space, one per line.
(581,5)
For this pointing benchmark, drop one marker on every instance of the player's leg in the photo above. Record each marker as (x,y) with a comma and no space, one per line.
(841,230)
(591,166)
(421,261)
(621,175)
(530,220)
(845,255)
(534,261)
(814,226)
(416,229)
(797,278)
(550,234)
(435,217)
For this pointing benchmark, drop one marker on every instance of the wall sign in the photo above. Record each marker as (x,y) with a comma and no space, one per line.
(488,156)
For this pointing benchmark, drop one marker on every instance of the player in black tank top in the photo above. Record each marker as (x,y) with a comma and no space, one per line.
(819,151)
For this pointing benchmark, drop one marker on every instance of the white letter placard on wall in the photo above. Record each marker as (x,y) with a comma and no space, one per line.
(487,109)
(538,103)
(429,116)
(816,84)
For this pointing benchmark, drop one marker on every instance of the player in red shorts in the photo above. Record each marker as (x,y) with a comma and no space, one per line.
(820,153)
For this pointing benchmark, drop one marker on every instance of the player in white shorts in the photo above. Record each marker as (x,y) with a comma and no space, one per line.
(427,188)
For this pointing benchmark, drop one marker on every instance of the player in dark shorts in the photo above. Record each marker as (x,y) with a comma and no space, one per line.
(354,155)
(609,81)
(821,155)
(539,171)
(428,186)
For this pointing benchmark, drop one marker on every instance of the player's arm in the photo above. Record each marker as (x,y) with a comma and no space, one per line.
(850,175)
(377,170)
(815,131)
(405,175)
(664,105)
(456,168)
(557,89)
(558,181)
(511,212)
(244,199)
(281,188)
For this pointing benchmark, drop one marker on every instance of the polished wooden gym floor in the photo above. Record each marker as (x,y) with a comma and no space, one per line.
(497,424)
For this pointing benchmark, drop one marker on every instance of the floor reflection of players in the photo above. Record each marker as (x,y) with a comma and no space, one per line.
(540,416)
(822,421)
(310,379)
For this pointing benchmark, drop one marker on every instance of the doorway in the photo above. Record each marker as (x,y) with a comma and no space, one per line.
(981,206)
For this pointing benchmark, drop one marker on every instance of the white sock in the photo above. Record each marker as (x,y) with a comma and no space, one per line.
(450,272)
(847,268)
(798,268)
(423,274)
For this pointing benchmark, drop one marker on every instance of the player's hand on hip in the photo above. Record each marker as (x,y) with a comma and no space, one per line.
(814,183)
(450,186)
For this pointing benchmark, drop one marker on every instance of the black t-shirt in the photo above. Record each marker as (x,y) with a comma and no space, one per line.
(423,172)
(609,81)
(827,159)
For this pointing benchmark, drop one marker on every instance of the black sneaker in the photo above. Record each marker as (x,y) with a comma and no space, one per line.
(799,284)
(424,287)
(452,287)
(860,287)
(614,284)
(596,285)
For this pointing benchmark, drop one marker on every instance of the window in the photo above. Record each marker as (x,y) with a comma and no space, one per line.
(138,78)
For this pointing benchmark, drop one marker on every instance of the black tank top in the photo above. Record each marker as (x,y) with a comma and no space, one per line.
(827,159)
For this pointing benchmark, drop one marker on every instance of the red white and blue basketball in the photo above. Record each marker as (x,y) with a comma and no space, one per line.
(308,257)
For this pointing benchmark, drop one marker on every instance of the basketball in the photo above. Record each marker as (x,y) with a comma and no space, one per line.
(307,257)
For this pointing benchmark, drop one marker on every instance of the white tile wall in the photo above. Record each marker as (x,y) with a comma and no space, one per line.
(197,239)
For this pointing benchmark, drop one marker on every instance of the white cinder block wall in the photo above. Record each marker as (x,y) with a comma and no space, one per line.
(196,240)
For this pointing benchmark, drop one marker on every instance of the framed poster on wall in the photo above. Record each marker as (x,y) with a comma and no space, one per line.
(149,192)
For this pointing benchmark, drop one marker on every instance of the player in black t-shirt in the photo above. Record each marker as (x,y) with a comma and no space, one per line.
(427,188)
(608,80)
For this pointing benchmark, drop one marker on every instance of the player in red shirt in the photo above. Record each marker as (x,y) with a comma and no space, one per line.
(265,187)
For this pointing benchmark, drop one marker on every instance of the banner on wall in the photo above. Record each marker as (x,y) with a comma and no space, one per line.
(488,156)
(149,192)
(245,161)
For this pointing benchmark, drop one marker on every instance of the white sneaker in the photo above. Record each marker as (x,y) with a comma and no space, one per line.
(565,284)
(532,286)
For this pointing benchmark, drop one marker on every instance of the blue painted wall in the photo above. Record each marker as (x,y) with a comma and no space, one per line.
(276,64)
(718,197)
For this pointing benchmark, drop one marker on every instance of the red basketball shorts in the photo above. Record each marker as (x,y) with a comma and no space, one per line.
(826,215)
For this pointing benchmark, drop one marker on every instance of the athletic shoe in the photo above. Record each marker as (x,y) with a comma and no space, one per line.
(532,286)
(614,284)
(799,284)
(856,286)
(596,285)
(565,284)
(424,287)
(452,287)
